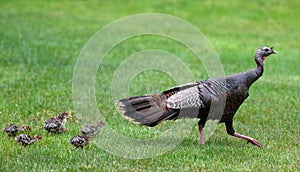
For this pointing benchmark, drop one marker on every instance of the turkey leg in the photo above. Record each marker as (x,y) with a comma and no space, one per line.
(201,134)
(230,130)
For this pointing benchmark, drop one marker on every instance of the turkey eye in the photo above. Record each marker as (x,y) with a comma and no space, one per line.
(266,50)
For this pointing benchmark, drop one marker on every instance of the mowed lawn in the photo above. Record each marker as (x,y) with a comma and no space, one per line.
(41,41)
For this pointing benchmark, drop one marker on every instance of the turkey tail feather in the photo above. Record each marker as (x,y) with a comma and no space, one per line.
(146,110)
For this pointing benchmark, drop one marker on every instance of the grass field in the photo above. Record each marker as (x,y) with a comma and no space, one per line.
(39,46)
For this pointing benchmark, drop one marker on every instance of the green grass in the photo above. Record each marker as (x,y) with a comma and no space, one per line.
(39,46)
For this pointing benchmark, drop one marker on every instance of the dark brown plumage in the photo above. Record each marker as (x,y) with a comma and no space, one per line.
(80,140)
(57,124)
(92,130)
(26,139)
(217,98)
(12,129)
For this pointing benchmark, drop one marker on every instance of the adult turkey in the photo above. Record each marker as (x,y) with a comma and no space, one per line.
(217,98)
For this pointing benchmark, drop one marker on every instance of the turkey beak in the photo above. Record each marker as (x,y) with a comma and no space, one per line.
(273,51)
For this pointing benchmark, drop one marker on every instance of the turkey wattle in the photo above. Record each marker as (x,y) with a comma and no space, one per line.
(198,98)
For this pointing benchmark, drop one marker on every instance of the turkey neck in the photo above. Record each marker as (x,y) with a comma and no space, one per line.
(256,73)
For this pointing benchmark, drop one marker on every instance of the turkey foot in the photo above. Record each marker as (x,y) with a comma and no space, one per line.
(249,139)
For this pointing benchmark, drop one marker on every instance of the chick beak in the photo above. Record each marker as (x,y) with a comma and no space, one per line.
(70,116)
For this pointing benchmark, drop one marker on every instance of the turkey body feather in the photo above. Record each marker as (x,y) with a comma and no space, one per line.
(216,98)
